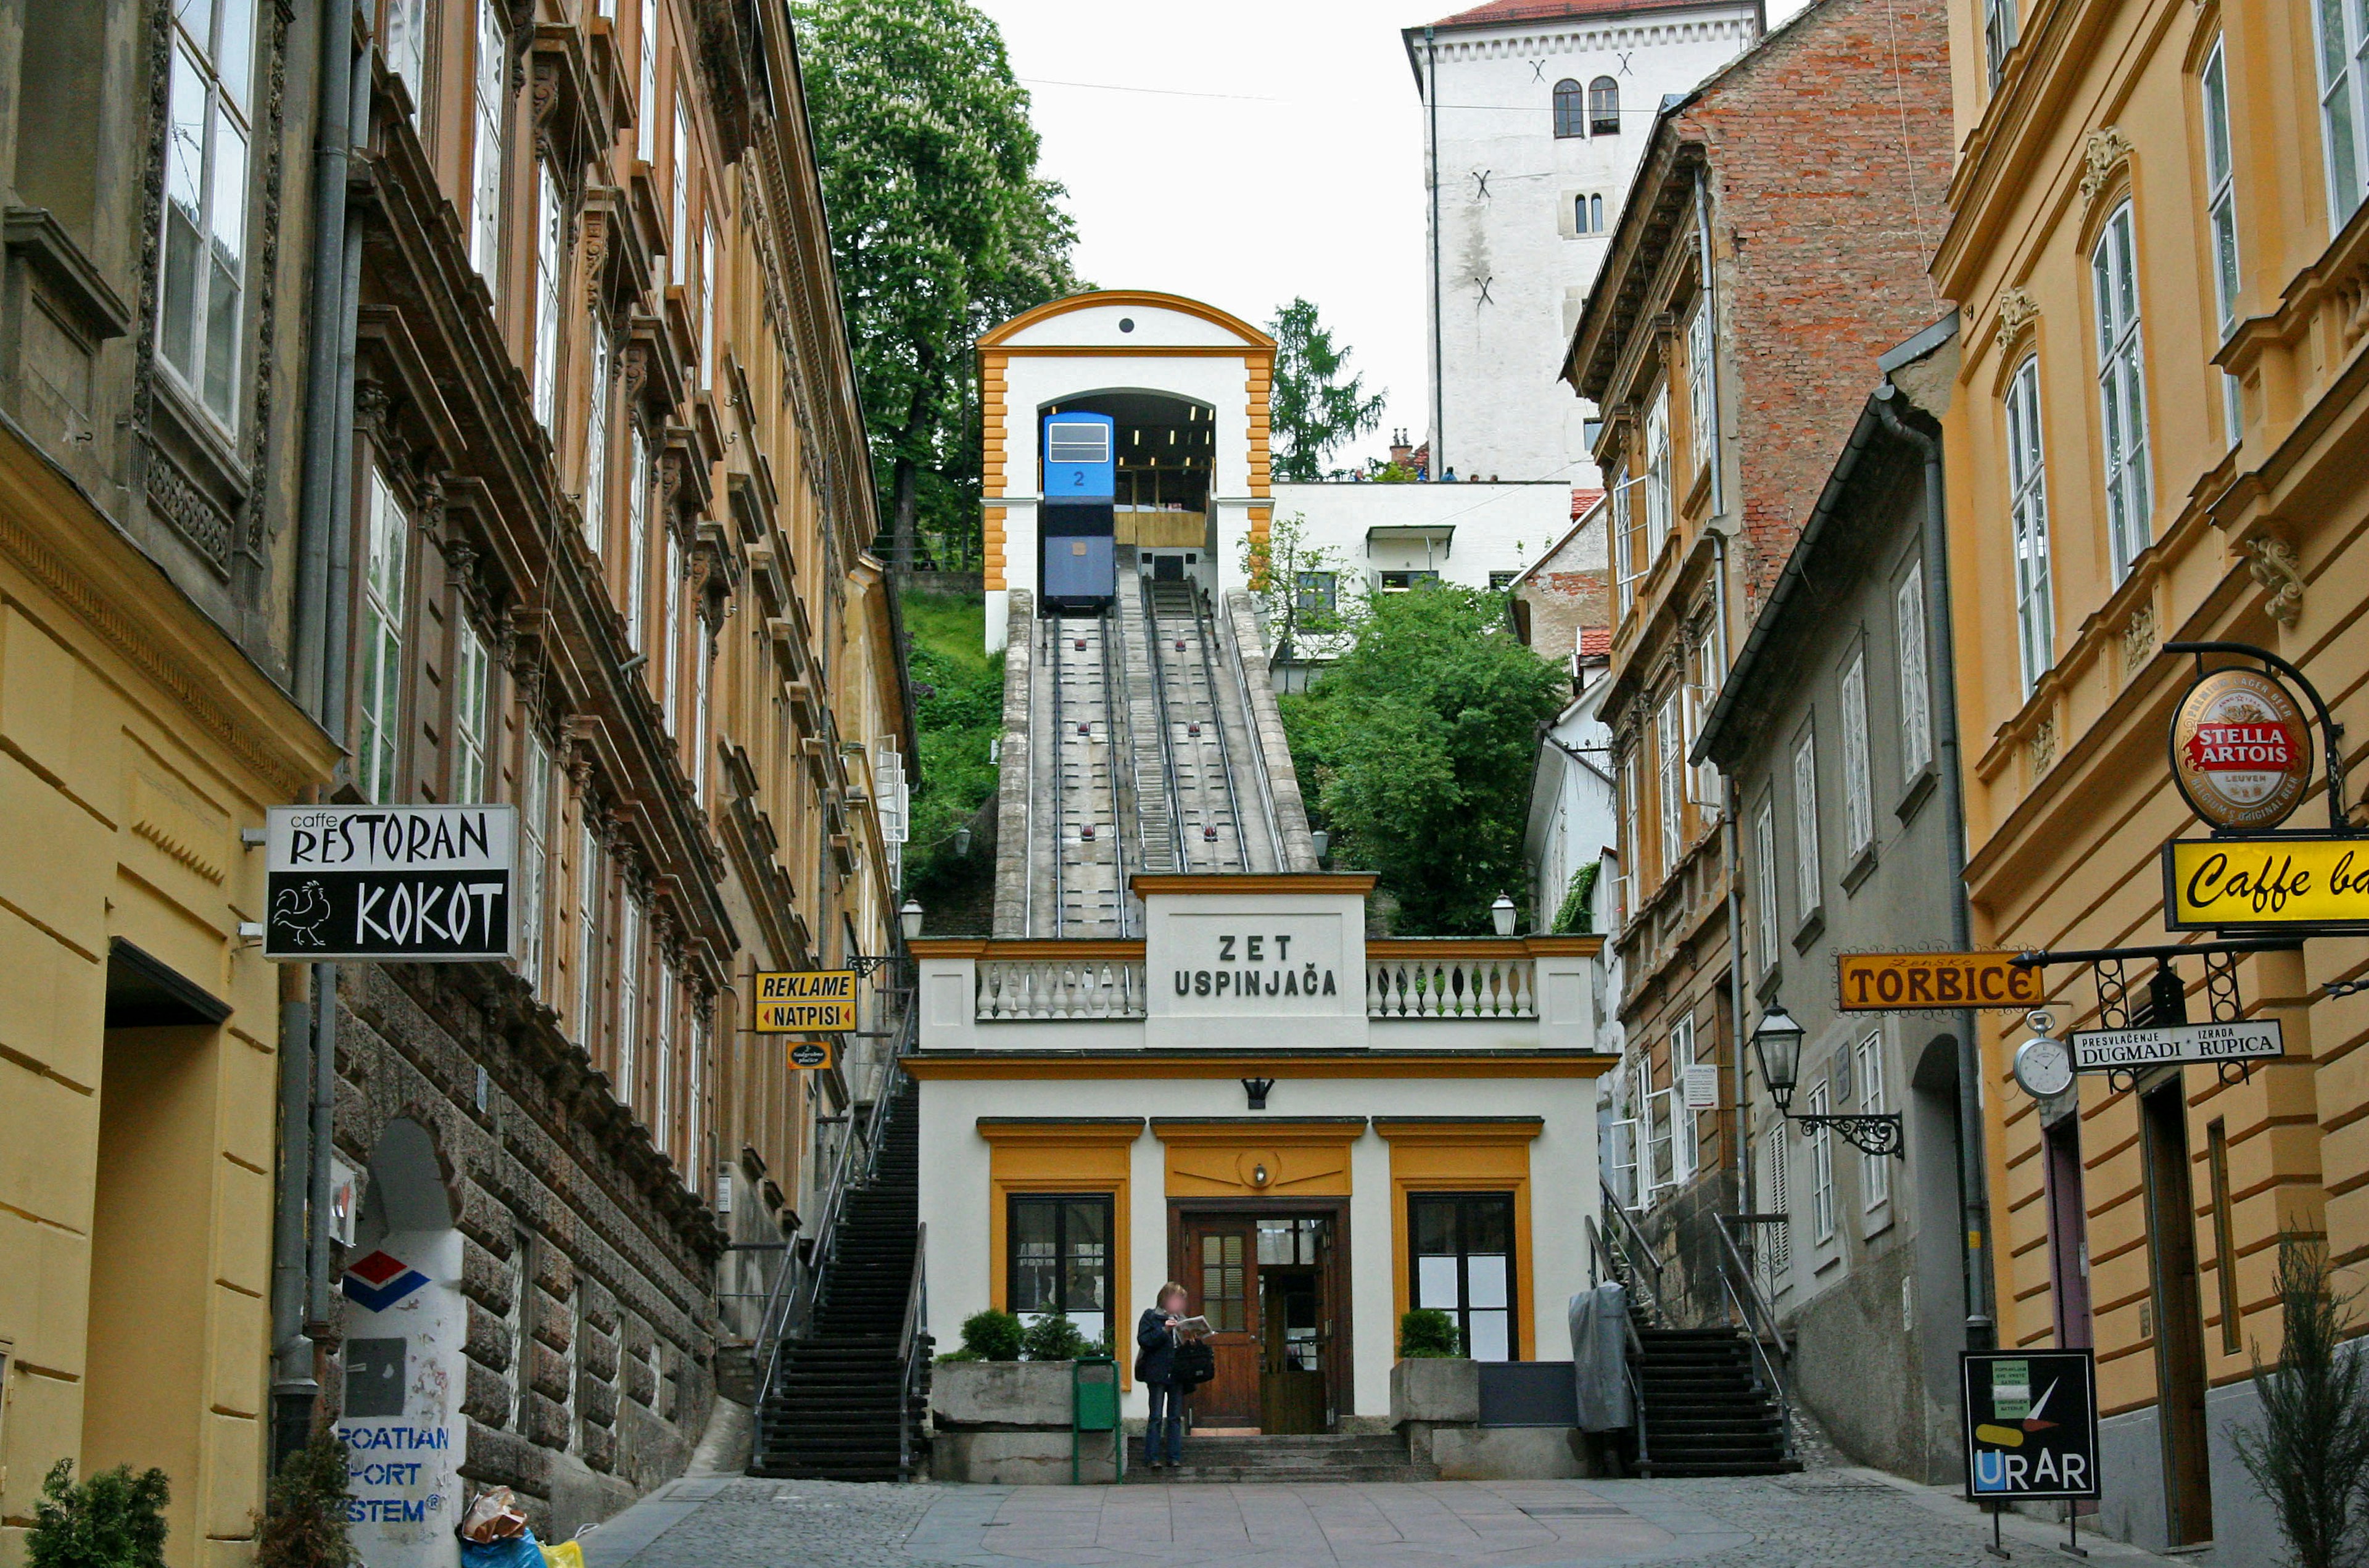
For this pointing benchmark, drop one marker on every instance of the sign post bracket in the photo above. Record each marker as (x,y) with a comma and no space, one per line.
(2330,732)
(2166,1002)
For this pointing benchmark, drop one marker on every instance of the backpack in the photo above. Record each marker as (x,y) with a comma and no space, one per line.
(1195,1363)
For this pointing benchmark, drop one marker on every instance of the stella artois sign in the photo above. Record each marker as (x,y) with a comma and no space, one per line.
(2241,750)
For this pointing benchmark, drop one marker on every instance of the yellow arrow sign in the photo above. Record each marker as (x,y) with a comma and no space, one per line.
(800,1002)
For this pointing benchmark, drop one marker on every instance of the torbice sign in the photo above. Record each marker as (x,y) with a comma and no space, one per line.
(1891,982)
(2266,883)
(2241,750)
(803,1002)
(425,884)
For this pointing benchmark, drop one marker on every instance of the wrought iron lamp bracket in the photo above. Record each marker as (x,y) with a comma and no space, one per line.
(1875,1135)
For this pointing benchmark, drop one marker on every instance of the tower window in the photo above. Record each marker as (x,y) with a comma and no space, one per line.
(1588,214)
(1604,107)
(1569,106)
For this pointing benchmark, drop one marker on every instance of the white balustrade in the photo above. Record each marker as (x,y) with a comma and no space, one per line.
(1060,988)
(1451,987)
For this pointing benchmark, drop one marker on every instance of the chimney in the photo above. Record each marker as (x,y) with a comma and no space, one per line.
(1399,451)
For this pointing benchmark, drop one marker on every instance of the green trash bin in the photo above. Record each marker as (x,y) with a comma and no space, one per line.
(1094,1407)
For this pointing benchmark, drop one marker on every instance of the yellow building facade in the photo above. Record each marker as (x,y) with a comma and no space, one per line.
(2157,240)
(138,1030)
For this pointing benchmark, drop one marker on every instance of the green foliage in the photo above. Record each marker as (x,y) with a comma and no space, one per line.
(1052,1338)
(952,1357)
(939,228)
(306,1525)
(1417,748)
(992,1336)
(1311,409)
(1428,1334)
(1578,913)
(2311,1456)
(115,1520)
(958,711)
(1274,566)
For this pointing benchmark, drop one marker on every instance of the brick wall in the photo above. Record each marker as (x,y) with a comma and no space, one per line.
(1830,153)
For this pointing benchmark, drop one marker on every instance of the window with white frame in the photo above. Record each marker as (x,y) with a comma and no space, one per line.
(596,445)
(695,1100)
(1764,882)
(1915,691)
(405,39)
(707,306)
(1998,36)
(668,666)
(1687,1133)
(549,214)
(700,661)
(377,737)
(472,675)
(204,286)
(1657,479)
(637,539)
(1669,784)
(2221,218)
(1875,1169)
(679,236)
(662,1121)
(1659,1142)
(1822,1169)
(1631,803)
(588,926)
(2342,30)
(534,857)
(1702,413)
(1703,685)
(2027,477)
(645,96)
(1626,569)
(486,186)
(2121,392)
(629,996)
(1808,877)
(1858,785)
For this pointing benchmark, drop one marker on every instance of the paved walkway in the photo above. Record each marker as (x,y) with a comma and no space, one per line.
(1835,1518)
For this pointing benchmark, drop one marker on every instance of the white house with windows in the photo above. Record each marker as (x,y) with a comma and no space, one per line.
(1535,112)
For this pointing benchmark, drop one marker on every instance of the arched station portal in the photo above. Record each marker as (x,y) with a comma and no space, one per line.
(1164,448)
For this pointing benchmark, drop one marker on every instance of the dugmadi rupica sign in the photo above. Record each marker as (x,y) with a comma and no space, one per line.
(427,884)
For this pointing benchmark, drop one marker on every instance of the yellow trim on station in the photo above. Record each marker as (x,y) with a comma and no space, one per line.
(1222,1157)
(1449,1155)
(1178,1063)
(1083,1155)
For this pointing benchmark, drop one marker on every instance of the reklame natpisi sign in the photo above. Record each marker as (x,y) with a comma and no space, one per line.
(424,883)
(803,1002)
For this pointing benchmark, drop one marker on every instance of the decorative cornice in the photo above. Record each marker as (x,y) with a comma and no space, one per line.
(2016,310)
(2105,151)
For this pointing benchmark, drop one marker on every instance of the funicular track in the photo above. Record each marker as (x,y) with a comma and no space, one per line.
(1085,848)
(1206,804)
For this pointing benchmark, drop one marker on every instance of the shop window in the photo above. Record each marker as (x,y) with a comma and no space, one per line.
(1061,1262)
(1463,1266)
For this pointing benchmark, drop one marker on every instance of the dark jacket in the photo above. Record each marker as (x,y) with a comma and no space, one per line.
(1155,1360)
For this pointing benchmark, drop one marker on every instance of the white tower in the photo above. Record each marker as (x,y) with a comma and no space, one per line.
(1534,114)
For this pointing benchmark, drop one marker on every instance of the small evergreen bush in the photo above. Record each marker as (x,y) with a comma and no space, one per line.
(991,1335)
(1053,1337)
(1428,1334)
(115,1520)
(306,1525)
(2311,1457)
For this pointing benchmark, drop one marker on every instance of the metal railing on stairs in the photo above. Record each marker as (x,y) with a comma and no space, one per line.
(1757,1316)
(1639,1269)
(916,1344)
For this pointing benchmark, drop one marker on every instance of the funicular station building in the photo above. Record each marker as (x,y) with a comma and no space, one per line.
(1181,1053)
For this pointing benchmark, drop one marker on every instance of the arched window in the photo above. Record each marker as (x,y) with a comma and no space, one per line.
(1588,214)
(1604,107)
(1570,104)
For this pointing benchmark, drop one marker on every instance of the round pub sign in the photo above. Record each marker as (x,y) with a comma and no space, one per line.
(2241,750)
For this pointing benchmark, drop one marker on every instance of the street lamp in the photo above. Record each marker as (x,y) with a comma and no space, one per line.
(909,919)
(1501,914)
(1777,1042)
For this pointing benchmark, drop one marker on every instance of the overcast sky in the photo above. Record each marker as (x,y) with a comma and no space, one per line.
(1244,151)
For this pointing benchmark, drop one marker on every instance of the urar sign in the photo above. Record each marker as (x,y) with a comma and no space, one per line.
(805,1002)
(2031,1424)
(1892,982)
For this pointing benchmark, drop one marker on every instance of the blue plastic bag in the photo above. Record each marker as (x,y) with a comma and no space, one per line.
(517,1551)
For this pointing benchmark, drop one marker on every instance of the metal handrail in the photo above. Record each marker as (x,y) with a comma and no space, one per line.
(1637,1253)
(1758,1318)
(915,1339)
(1223,617)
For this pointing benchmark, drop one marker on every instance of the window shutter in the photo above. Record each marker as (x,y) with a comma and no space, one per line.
(1808,878)
(1916,695)
(1859,805)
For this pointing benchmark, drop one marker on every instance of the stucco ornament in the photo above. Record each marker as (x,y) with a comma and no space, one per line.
(2043,746)
(2103,153)
(2017,310)
(2276,567)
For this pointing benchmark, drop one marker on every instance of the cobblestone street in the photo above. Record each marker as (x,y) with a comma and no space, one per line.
(1839,1518)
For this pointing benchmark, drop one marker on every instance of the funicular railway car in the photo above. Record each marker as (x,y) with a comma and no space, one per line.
(1074,531)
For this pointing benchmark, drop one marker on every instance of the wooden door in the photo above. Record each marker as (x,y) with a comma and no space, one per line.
(1220,1280)
(2179,1313)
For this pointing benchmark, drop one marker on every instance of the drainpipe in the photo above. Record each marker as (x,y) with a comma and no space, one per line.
(1980,1320)
(1438,343)
(294,1388)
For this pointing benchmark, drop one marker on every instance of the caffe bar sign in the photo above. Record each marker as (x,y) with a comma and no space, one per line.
(421,884)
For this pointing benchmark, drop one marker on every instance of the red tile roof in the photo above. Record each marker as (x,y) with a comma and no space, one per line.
(1582,499)
(1595,640)
(1549,10)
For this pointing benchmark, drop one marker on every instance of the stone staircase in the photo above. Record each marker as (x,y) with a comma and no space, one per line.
(1277,1460)
(832,1413)
(1706,1413)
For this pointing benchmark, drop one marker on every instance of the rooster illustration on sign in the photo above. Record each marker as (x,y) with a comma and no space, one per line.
(300,911)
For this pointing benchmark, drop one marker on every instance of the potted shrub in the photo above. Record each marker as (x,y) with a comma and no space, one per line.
(1428,1334)
(1053,1337)
(2311,1456)
(115,1520)
(306,1525)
